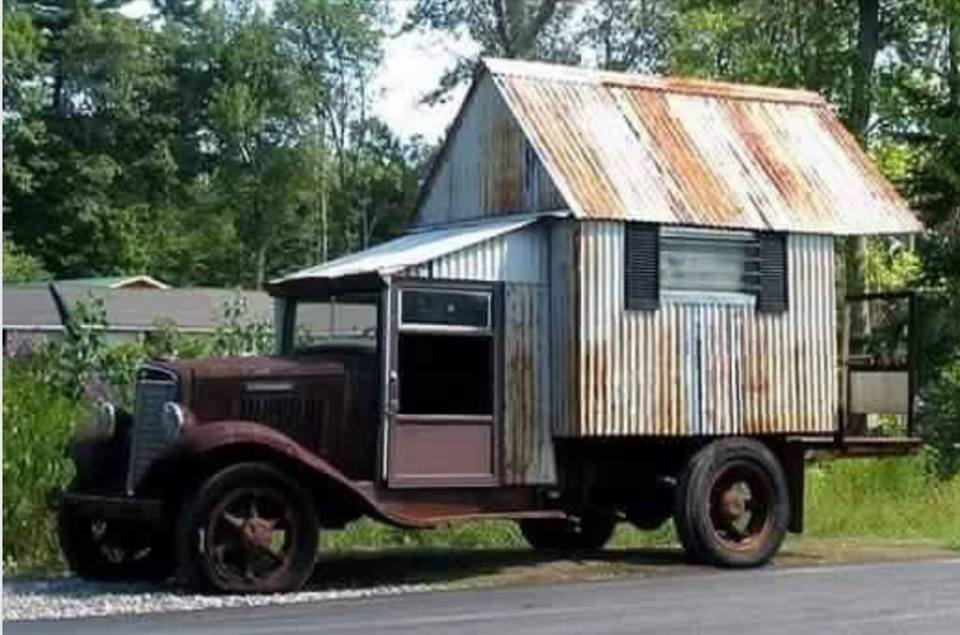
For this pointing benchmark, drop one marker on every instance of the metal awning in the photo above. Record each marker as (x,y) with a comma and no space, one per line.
(367,269)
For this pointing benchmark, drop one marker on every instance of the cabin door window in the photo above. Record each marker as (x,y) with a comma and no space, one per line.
(441,386)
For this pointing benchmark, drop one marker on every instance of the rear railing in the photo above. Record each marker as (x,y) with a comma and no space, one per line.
(878,385)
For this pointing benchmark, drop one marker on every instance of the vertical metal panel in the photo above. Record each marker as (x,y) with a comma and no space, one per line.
(519,256)
(486,167)
(703,366)
(528,448)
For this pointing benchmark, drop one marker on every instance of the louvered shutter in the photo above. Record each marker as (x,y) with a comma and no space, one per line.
(772,296)
(641,267)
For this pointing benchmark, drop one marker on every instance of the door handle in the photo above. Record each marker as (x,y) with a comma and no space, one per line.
(393,394)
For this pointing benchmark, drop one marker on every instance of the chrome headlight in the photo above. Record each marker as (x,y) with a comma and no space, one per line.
(105,418)
(173,419)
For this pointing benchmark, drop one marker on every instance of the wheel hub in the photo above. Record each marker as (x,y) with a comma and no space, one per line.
(257,533)
(733,504)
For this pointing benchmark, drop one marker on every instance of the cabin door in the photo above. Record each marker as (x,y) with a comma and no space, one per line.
(441,376)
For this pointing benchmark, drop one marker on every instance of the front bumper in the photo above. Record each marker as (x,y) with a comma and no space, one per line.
(148,511)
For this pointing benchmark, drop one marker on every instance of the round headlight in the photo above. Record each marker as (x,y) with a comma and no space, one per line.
(173,419)
(105,418)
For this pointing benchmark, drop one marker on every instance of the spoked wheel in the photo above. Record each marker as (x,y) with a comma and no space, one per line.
(100,549)
(586,533)
(248,529)
(732,507)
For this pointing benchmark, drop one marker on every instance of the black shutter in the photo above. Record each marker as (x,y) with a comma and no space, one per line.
(772,296)
(642,267)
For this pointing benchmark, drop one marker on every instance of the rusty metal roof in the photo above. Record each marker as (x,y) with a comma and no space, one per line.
(679,151)
(411,249)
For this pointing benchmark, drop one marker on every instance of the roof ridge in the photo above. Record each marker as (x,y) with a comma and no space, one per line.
(703,87)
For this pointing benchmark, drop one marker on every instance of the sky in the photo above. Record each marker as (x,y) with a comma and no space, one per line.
(412,65)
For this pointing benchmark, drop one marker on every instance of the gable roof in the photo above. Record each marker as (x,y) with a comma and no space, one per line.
(676,151)
(118,282)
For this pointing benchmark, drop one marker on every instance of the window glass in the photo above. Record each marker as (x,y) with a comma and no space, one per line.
(445,308)
(709,262)
(341,319)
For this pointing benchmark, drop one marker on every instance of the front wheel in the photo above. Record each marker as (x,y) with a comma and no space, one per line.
(585,533)
(249,528)
(732,504)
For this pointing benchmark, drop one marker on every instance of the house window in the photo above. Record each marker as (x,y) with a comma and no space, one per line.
(694,264)
(705,261)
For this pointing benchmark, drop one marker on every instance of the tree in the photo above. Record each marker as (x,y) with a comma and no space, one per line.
(520,29)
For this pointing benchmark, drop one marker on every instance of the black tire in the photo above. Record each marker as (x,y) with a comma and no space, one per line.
(228,531)
(113,550)
(590,533)
(732,506)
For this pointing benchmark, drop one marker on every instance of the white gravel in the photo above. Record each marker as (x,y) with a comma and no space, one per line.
(70,597)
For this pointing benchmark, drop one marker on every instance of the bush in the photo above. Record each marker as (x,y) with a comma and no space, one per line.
(37,421)
(941,418)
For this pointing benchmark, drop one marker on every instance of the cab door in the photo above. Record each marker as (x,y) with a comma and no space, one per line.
(441,421)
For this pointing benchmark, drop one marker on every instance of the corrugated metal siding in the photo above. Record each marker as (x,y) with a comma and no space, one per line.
(521,259)
(621,146)
(701,368)
(486,168)
(519,256)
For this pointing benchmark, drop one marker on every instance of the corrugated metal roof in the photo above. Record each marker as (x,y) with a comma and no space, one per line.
(674,151)
(411,250)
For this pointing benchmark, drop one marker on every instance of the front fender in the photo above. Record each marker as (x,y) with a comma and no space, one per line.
(202,440)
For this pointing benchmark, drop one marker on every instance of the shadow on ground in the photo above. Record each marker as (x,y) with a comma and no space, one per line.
(449,566)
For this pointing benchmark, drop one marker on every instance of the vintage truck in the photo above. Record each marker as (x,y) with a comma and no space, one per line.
(616,303)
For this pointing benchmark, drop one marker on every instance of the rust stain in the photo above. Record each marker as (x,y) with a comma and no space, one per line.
(767,155)
(705,198)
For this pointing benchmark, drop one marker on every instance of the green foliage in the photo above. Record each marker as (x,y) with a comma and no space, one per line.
(884,498)
(19,266)
(37,420)
(197,147)
(237,335)
(941,418)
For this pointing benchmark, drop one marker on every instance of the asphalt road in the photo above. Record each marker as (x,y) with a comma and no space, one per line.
(879,599)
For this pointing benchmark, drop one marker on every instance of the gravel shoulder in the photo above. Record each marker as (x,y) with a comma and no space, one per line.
(386,573)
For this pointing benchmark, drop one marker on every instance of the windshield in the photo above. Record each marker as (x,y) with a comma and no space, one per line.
(344,319)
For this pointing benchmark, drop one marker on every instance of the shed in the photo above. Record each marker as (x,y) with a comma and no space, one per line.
(661,252)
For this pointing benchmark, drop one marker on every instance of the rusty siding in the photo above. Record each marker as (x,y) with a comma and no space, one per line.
(620,146)
(520,259)
(700,367)
(486,166)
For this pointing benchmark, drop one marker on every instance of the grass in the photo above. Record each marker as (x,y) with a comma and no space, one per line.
(883,498)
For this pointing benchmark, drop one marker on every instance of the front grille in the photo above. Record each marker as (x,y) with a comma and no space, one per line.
(155,387)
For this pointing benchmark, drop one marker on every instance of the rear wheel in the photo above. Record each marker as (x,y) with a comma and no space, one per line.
(100,549)
(732,504)
(585,533)
(249,528)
